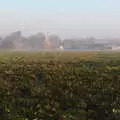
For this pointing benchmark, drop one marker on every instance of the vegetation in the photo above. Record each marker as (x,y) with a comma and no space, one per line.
(60,86)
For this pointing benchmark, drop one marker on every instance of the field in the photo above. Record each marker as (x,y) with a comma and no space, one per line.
(60,85)
(67,56)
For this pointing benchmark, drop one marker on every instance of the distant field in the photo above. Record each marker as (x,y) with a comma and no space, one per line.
(66,56)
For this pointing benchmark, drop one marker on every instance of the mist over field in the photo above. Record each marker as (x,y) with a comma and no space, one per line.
(71,24)
(59,59)
(47,41)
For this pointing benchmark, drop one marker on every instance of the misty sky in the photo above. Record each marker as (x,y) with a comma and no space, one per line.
(67,18)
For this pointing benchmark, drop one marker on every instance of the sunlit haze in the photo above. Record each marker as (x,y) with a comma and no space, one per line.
(66,18)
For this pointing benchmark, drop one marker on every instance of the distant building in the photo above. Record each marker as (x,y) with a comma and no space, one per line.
(61,48)
(116,48)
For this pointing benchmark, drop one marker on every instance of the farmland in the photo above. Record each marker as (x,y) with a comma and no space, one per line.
(60,85)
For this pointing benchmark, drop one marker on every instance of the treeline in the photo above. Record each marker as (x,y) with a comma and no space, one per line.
(15,41)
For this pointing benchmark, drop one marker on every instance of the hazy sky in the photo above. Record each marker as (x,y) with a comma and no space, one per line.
(67,18)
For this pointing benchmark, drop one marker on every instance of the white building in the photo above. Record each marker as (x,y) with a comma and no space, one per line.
(116,48)
(61,48)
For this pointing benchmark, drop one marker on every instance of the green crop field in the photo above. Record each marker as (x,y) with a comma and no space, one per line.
(60,85)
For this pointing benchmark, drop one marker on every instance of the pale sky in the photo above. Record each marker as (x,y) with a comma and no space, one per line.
(67,18)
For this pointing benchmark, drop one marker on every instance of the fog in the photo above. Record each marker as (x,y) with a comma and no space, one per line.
(68,19)
(47,41)
(65,25)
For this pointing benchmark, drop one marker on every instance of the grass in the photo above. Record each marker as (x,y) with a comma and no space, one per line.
(66,56)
